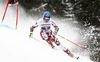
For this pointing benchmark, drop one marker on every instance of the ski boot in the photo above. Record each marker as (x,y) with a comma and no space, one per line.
(50,43)
(77,58)
(53,47)
(69,53)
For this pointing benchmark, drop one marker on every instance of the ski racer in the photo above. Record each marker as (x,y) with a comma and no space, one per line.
(47,34)
(13,2)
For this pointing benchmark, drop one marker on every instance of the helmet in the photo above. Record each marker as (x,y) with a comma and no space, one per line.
(46,15)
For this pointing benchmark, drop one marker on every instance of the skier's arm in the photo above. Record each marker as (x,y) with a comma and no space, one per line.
(56,28)
(32,29)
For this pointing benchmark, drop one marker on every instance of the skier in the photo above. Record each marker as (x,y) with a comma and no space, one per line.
(13,2)
(47,34)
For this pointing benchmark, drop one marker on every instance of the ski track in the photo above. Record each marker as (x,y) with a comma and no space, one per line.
(16,46)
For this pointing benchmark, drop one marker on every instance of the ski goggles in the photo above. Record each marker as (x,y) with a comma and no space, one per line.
(46,18)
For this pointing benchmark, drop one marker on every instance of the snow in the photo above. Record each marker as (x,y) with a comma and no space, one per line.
(16,46)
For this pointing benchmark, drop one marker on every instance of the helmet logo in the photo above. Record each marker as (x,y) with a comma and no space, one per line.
(47,15)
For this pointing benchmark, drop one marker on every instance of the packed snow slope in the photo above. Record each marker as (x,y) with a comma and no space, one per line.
(16,46)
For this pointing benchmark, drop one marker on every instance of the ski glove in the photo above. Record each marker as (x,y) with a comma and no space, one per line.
(55,32)
(31,33)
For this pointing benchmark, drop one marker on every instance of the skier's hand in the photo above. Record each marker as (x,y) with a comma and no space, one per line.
(55,32)
(31,33)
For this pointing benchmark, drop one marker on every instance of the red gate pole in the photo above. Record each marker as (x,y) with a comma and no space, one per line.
(5,11)
(17,17)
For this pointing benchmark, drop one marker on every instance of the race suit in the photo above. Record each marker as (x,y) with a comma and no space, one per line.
(46,32)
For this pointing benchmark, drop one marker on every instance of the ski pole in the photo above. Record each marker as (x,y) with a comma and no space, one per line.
(5,11)
(38,40)
(72,42)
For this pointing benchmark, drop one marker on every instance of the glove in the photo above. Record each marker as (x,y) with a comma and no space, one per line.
(55,32)
(31,33)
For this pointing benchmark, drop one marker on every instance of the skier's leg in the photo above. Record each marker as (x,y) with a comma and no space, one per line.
(66,50)
(62,47)
(46,38)
(54,39)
